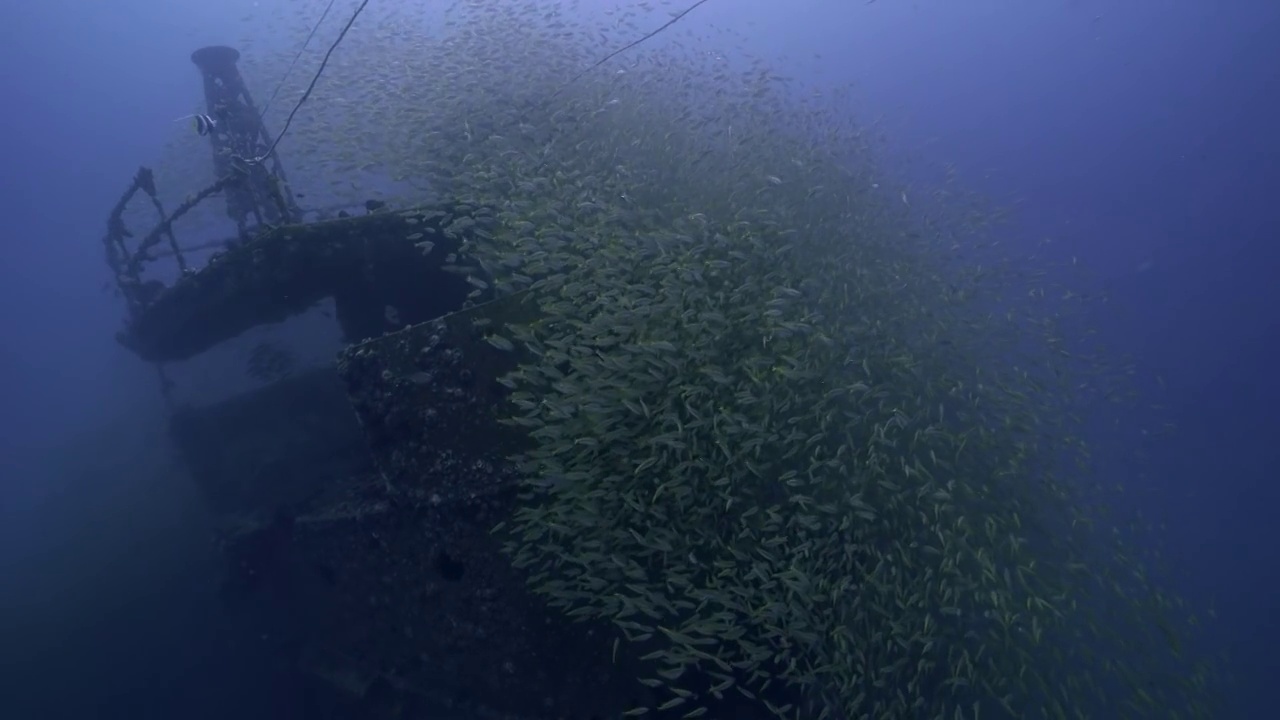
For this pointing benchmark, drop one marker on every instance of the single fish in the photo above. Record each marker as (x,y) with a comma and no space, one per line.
(204,124)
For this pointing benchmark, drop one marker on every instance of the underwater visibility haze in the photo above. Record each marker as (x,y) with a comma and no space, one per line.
(605,359)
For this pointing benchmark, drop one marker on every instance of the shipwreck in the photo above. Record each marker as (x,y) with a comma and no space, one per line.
(355,502)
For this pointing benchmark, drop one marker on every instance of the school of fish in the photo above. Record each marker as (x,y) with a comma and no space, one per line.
(797,439)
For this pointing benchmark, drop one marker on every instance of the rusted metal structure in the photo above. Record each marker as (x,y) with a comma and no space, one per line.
(261,196)
(359,541)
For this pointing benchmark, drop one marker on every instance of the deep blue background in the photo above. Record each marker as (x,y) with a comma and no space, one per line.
(1142,137)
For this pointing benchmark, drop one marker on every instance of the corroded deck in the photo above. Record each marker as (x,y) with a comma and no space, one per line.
(367,264)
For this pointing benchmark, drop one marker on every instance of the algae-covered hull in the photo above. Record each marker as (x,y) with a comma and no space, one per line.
(395,578)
